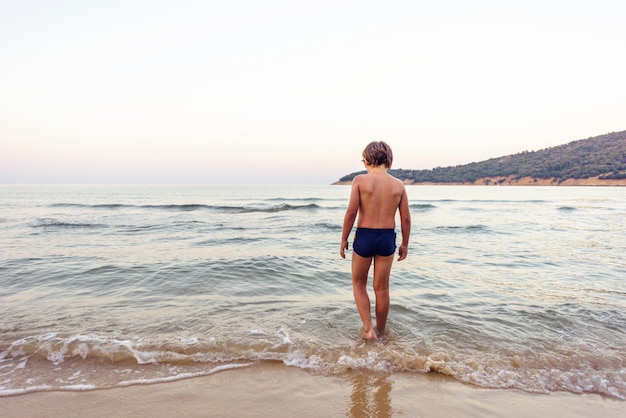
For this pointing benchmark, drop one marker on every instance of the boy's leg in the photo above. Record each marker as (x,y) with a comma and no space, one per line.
(360,270)
(382,271)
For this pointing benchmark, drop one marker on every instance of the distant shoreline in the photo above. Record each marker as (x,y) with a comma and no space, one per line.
(512,181)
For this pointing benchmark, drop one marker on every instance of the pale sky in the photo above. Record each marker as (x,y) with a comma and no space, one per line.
(291,91)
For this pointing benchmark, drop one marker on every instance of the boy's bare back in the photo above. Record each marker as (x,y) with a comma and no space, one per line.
(380,195)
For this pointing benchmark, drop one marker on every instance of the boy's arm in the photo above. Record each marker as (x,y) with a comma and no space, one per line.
(405,225)
(350,217)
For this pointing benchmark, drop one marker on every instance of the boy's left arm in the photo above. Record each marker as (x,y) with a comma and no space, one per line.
(405,226)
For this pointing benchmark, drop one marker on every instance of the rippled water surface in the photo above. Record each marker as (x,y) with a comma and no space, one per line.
(507,287)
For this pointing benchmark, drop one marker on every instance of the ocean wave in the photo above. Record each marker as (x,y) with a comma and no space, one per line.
(472,229)
(95,206)
(109,362)
(180,376)
(219,242)
(178,208)
(328,225)
(52,222)
(538,201)
(303,199)
(191,207)
(277,208)
(422,207)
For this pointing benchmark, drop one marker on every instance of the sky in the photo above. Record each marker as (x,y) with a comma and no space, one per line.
(290,92)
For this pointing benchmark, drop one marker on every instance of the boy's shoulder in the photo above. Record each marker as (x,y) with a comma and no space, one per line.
(367,178)
(360,178)
(397,180)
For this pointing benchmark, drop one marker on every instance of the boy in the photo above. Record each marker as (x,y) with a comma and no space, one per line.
(375,196)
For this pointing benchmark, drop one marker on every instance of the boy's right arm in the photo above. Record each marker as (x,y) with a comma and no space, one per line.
(350,217)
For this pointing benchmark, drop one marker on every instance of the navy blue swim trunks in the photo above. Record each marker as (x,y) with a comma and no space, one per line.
(369,242)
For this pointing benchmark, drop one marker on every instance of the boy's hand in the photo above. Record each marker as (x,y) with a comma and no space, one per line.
(402,252)
(344,247)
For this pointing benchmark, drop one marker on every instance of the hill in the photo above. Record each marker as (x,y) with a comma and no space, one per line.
(599,160)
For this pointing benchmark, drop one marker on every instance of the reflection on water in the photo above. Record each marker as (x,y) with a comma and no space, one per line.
(371,396)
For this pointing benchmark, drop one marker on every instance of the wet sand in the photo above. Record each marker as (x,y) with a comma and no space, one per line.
(272,389)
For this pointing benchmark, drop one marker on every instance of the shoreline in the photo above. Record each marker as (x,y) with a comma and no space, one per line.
(273,389)
(512,181)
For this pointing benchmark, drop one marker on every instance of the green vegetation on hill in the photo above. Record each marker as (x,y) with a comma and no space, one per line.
(603,156)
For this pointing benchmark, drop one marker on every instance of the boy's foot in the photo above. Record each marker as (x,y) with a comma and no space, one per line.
(369,335)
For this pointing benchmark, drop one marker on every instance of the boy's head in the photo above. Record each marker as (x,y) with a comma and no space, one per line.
(378,153)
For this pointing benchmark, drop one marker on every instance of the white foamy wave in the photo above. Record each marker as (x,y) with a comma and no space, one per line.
(549,380)
(181,376)
(188,341)
(373,361)
(284,336)
(22,391)
(58,349)
(299,359)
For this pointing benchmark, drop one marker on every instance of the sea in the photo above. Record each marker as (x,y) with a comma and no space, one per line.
(105,286)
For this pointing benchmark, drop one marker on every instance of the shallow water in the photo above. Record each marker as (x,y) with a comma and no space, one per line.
(508,287)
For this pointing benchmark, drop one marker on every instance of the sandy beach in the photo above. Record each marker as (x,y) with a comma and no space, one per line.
(272,389)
